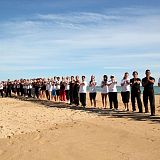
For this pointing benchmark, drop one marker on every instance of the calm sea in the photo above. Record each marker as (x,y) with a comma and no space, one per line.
(156,89)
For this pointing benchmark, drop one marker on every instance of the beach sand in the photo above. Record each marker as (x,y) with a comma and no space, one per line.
(44,130)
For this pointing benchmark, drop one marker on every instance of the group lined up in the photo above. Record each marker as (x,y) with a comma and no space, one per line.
(73,90)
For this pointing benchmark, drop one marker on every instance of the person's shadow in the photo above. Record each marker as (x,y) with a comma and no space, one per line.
(100,112)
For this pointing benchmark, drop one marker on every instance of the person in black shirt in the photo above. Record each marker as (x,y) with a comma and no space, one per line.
(62,90)
(9,88)
(21,87)
(76,91)
(43,89)
(37,88)
(18,88)
(136,92)
(33,92)
(71,90)
(148,83)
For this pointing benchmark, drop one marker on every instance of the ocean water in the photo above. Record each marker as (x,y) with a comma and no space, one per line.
(156,89)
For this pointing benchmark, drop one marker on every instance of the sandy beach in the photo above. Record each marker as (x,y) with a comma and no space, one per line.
(45,130)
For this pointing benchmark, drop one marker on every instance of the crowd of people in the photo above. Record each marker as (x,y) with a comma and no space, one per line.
(73,90)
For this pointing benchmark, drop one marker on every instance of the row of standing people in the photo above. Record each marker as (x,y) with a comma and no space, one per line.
(133,86)
(74,90)
(65,89)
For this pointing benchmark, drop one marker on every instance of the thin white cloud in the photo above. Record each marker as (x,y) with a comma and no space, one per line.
(57,39)
(28,68)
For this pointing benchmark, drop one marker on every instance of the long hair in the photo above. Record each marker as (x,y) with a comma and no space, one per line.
(92,77)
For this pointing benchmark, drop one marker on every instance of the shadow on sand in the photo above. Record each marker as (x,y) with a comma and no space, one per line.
(100,112)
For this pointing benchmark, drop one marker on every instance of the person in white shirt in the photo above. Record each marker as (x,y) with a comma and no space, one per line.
(1,88)
(29,88)
(112,87)
(83,91)
(92,91)
(104,90)
(50,90)
(125,84)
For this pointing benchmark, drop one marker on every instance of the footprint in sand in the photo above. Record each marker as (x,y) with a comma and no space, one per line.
(37,137)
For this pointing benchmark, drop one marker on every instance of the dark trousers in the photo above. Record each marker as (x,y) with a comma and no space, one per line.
(149,94)
(136,95)
(76,101)
(67,95)
(113,99)
(83,99)
(18,91)
(22,91)
(25,91)
(1,91)
(76,96)
(8,92)
(47,94)
(29,92)
(71,97)
(37,94)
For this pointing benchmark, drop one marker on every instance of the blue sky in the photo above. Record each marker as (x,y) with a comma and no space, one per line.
(59,37)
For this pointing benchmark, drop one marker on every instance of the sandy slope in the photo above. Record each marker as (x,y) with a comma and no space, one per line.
(48,131)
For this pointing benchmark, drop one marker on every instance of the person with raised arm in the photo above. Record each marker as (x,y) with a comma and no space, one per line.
(92,91)
(83,91)
(136,92)
(148,93)
(125,93)
(104,91)
(112,86)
